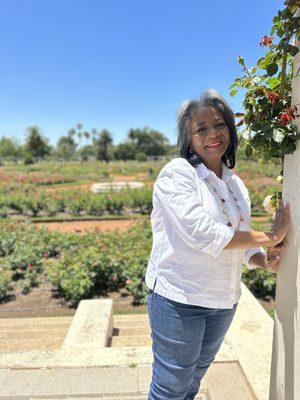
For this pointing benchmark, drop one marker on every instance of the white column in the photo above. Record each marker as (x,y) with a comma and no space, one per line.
(285,369)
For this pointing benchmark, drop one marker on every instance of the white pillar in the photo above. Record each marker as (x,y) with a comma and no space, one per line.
(285,368)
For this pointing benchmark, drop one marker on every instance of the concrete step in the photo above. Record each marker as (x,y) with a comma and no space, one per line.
(131,331)
(26,344)
(39,334)
(131,324)
(132,396)
(22,334)
(128,341)
(36,323)
(131,318)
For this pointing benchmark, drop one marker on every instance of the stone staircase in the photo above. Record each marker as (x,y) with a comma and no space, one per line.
(20,334)
(99,355)
(131,396)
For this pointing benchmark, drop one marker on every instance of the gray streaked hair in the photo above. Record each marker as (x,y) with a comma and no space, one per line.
(208,98)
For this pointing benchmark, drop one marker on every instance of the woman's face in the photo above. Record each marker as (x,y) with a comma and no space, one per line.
(208,127)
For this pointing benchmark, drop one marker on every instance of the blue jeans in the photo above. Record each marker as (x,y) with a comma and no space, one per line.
(185,341)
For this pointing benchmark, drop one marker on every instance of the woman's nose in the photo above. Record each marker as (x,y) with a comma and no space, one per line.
(213,132)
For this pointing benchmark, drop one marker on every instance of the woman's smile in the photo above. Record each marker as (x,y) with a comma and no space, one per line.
(213,145)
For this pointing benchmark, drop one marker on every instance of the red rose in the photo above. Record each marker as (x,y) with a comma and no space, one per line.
(288,115)
(273,97)
(266,40)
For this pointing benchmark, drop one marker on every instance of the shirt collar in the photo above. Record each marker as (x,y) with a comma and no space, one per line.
(203,172)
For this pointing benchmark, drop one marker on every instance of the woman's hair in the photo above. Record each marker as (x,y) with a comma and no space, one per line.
(208,98)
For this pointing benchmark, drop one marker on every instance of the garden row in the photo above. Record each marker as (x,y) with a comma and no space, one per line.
(81,266)
(30,200)
(33,202)
(53,172)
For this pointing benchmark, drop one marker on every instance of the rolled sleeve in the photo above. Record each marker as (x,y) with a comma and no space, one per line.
(249,253)
(177,192)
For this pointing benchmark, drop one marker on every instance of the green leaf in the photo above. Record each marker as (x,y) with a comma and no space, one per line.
(241,60)
(280,32)
(233,92)
(267,155)
(273,82)
(273,30)
(236,82)
(261,63)
(268,133)
(258,140)
(272,69)
(293,8)
(293,50)
(262,100)
(248,150)
(252,70)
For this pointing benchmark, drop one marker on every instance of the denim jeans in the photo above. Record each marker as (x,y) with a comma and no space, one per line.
(185,341)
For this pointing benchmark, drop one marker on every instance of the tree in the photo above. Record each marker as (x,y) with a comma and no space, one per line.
(8,148)
(79,132)
(103,144)
(87,151)
(66,147)
(148,141)
(36,144)
(125,151)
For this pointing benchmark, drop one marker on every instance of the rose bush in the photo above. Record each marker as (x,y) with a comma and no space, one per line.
(269,118)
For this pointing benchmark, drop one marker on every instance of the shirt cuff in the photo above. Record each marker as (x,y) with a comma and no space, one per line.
(221,240)
(249,253)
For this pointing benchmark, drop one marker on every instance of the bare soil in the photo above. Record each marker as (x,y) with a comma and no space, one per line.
(43,301)
(84,226)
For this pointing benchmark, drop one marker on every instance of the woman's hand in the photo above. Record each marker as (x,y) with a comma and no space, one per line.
(274,256)
(281,222)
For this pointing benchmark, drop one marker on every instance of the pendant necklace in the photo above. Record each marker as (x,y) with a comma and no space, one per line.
(223,201)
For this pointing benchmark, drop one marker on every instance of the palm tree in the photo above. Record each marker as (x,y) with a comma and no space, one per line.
(103,143)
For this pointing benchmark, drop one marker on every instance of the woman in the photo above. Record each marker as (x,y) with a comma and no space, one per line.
(201,237)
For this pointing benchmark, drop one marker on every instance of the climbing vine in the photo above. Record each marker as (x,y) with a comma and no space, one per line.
(269,118)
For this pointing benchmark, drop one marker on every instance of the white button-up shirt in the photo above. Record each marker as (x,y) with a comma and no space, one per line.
(188,263)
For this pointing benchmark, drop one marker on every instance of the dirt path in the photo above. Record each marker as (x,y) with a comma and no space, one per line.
(83,186)
(84,226)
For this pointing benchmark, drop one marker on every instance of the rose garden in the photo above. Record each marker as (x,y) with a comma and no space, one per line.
(89,246)
(81,265)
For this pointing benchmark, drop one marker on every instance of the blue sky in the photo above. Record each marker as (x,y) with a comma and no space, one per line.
(120,64)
